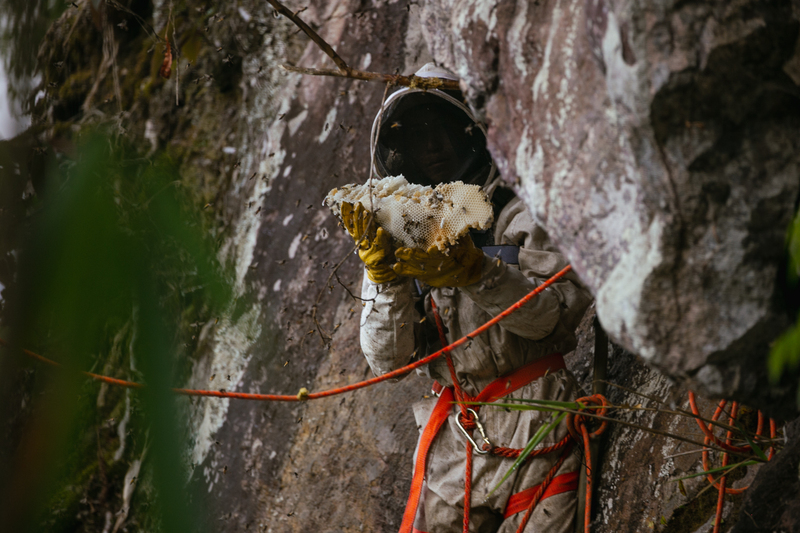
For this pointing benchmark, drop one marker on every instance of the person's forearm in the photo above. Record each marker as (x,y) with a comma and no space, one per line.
(387,319)
(500,287)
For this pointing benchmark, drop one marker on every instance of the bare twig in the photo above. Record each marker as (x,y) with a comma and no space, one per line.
(682,412)
(344,70)
(414,82)
(314,36)
(349,292)
(618,421)
(685,453)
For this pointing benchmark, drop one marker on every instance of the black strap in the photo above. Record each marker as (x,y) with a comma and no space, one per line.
(507,253)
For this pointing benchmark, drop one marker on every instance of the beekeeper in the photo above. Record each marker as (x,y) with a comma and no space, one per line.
(432,137)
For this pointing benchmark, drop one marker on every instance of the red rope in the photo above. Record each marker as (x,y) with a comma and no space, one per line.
(543,487)
(339,390)
(576,424)
(721,482)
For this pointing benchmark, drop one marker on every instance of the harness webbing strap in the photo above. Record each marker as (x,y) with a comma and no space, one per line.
(520,377)
(520,501)
(497,389)
(437,419)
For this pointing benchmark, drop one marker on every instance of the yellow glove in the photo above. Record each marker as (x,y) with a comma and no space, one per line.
(462,266)
(375,249)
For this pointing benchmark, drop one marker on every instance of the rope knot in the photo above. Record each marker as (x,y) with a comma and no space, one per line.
(577,423)
(467,421)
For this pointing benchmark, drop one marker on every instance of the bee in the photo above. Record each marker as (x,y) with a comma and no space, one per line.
(133,480)
(219,49)
(402,325)
(286,363)
(227,59)
(225,469)
(258,210)
(259,70)
(282,261)
(223,391)
(123,25)
(297,203)
(229,377)
(207,205)
(423,319)
(336,326)
(212,378)
(237,164)
(396,125)
(280,117)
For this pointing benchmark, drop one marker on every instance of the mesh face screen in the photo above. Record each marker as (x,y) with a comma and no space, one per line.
(430,141)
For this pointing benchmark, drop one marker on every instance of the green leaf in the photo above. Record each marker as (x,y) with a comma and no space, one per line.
(537,438)
(758,451)
(793,246)
(547,403)
(785,352)
(725,469)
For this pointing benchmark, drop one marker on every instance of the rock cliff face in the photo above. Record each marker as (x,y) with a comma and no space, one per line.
(658,144)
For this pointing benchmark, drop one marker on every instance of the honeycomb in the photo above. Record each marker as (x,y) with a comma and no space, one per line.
(419,216)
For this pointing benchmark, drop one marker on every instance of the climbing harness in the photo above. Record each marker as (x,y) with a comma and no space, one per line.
(467,421)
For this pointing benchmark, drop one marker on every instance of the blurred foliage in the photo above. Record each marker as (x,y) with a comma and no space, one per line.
(785,353)
(23,24)
(115,270)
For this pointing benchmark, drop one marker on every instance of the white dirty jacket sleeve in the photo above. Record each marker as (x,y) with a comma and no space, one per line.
(387,323)
(501,285)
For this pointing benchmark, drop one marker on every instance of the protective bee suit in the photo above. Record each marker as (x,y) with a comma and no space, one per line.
(482,277)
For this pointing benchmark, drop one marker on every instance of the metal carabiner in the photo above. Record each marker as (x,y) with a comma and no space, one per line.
(482,431)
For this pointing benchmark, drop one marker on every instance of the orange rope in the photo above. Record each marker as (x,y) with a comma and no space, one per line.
(543,487)
(721,482)
(576,424)
(339,390)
